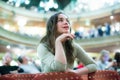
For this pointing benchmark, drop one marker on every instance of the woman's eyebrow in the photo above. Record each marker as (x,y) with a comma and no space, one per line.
(62,18)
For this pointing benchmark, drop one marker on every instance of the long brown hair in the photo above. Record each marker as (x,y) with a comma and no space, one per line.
(50,38)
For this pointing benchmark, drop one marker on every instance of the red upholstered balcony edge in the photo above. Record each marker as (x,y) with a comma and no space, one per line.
(98,75)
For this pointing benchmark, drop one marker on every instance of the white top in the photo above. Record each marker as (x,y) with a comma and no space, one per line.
(29,68)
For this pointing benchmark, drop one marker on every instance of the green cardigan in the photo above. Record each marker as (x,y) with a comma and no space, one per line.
(49,64)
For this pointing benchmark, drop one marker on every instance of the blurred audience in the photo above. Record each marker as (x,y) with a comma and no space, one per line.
(100,31)
(103,60)
(6,67)
(115,64)
(27,65)
(108,29)
(94,58)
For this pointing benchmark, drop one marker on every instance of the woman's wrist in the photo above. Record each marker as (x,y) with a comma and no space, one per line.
(58,41)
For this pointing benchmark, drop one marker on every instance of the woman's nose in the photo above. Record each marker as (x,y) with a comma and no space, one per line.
(65,21)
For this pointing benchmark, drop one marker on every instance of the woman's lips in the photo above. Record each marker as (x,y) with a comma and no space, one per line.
(66,27)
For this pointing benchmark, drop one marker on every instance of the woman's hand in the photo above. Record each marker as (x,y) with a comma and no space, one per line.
(71,70)
(65,36)
(80,71)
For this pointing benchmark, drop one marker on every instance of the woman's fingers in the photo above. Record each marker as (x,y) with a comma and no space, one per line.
(65,36)
(69,35)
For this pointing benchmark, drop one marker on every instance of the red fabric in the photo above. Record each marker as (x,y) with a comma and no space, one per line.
(80,66)
(23,76)
(98,75)
(6,77)
(104,75)
(57,76)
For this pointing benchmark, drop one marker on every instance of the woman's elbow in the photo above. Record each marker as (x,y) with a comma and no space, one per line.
(92,68)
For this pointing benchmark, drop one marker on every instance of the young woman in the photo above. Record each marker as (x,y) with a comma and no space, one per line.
(57,51)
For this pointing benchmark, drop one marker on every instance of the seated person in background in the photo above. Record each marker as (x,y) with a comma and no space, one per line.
(6,68)
(26,66)
(103,60)
(57,51)
(94,58)
(115,65)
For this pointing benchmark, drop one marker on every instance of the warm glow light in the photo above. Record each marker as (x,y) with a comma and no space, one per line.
(27,1)
(111,17)
(7,26)
(8,46)
(87,22)
(48,5)
(103,28)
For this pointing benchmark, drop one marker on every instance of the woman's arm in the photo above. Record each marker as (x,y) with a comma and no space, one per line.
(47,60)
(90,65)
(82,71)
(59,50)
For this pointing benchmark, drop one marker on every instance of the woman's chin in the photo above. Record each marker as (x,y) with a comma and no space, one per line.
(65,32)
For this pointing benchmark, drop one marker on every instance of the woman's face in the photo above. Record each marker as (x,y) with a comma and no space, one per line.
(63,25)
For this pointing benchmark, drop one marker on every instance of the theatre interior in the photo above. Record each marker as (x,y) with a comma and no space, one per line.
(95,24)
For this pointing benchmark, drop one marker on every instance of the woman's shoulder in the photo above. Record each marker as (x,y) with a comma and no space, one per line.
(42,49)
(42,46)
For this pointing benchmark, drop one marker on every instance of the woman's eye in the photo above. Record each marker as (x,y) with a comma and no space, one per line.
(60,20)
